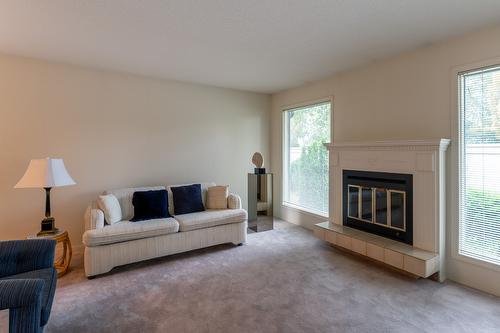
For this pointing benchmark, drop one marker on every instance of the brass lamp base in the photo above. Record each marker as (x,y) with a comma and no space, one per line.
(48,227)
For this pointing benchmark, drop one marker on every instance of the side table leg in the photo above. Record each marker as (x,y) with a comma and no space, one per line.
(70,253)
(65,260)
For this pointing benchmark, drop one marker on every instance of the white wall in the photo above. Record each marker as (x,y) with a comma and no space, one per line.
(116,130)
(404,97)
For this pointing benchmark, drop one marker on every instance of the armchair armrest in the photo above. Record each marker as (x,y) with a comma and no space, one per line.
(23,298)
(19,256)
(16,293)
(94,218)
(233,201)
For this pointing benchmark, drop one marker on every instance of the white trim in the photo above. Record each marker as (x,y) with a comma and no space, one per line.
(431,144)
(307,211)
(474,261)
(328,99)
(284,157)
(455,157)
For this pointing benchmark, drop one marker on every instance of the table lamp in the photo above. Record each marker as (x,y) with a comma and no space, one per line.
(46,173)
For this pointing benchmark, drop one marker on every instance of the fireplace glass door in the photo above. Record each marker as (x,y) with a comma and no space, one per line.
(387,206)
(381,206)
(366,204)
(398,209)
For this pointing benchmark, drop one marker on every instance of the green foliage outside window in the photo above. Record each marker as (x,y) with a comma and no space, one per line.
(309,129)
(488,203)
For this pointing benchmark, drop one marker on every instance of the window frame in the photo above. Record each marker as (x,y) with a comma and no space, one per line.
(456,158)
(285,154)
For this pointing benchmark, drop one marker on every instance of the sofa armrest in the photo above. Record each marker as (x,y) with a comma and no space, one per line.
(233,201)
(19,256)
(94,218)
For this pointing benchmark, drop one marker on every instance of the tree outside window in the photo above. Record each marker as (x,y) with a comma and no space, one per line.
(306,163)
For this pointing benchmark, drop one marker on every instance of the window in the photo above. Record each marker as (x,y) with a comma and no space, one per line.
(305,168)
(479,165)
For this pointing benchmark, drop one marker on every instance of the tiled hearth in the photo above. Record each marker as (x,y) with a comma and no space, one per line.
(423,162)
(396,254)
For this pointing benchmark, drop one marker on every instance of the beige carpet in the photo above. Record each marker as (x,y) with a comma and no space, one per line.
(283,280)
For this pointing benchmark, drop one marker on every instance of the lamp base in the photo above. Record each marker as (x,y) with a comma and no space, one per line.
(48,227)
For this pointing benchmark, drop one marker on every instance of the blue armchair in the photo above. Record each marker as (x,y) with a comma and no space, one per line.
(27,283)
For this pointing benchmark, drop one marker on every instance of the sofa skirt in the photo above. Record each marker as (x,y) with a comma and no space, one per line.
(101,259)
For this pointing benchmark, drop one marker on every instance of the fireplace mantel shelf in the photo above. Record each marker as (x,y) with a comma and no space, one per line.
(429,144)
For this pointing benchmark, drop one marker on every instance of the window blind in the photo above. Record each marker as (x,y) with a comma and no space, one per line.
(479,225)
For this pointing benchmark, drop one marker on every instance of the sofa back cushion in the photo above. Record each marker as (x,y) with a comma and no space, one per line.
(150,205)
(125,195)
(187,199)
(111,208)
(204,187)
(217,197)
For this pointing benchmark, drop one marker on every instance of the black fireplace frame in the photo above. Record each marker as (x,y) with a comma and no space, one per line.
(392,181)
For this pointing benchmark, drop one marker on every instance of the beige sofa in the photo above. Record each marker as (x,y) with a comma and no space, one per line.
(124,242)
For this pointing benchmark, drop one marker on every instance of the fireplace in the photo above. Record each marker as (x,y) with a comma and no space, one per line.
(380,203)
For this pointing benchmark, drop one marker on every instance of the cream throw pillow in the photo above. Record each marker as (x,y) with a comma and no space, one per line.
(111,207)
(217,197)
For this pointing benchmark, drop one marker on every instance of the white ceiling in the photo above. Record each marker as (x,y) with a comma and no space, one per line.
(256,45)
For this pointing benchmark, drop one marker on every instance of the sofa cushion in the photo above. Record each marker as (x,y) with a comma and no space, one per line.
(150,205)
(204,187)
(49,276)
(187,199)
(210,218)
(125,195)
(125,231)
(111,208)
(217,197)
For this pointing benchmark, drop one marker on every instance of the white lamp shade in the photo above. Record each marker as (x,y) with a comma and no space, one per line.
(45,172)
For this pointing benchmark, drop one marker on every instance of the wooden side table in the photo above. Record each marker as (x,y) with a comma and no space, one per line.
(61,263)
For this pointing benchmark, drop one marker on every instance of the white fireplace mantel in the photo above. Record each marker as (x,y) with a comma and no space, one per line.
(425,145)
(424,159)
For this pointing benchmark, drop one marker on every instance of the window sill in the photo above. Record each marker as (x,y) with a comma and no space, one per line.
(311,212)
(476,262)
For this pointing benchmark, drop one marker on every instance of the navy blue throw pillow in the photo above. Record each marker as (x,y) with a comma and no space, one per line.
(150,205)
(187,199)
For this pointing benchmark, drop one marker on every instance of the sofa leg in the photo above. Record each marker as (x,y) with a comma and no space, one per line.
(91,277)
(240,244)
